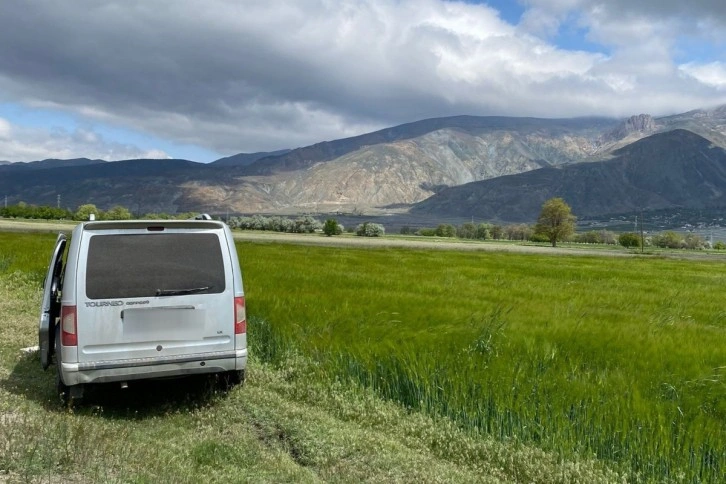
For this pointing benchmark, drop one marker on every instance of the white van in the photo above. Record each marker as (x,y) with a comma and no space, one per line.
(143,299)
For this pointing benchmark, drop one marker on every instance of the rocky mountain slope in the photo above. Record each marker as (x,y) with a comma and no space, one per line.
(671,169)
(388,170)
(369,174)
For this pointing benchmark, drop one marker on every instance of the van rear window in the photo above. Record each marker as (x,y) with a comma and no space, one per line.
(146,265)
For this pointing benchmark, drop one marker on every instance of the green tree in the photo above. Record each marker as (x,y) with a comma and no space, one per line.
(496,231)
(482,231)
(445,230)
(331,227)
(466,231)
(629,239)
(518,232)
(118,213)
(694,241)
(555,221)
(307,225)
(84,212)
(668,239)
(590,237)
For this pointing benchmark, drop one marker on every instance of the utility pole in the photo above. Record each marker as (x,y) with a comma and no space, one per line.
(642,236)
(57,203)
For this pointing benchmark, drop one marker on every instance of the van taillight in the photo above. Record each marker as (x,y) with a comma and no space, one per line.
(240,316)
(68,326)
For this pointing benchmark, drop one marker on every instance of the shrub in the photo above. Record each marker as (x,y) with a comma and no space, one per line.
(23,210)
(608,237)
(539,238)
(670,240)
(370,229)
(466,231)
(518,232)
(694,241)
(719,245)
(445,230)
(483,231)
(496,231)
(629,239)
(118,212)
(406,230)
(590,237)
(279,224)
(331,227)
(84,212)
(307,224)
(426,232)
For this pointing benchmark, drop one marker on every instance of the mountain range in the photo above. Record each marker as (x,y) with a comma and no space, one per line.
(494,168)
(666,170)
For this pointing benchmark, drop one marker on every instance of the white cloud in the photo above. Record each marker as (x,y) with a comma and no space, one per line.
(544,17)
(712,74)
(253,76)
(5,129)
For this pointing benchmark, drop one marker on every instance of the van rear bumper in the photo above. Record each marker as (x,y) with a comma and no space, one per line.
(157,367)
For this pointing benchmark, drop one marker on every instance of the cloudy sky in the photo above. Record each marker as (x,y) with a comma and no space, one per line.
(202,79)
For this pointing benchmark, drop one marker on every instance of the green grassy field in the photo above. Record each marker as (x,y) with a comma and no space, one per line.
(492,366)
(618,358)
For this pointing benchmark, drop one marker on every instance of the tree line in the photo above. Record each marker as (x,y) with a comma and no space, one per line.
(83,212)
(556,223)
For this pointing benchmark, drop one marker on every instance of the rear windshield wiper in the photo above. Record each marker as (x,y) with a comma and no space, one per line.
(180,292)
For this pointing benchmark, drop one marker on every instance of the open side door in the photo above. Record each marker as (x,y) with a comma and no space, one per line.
(50,305)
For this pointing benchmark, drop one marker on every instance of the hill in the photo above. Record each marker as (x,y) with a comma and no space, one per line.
(386,171)
(6,166)
(587,128)
(244,159)
(666,170)
(140,185)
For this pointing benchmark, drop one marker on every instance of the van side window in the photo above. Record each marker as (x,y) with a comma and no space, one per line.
(139,265)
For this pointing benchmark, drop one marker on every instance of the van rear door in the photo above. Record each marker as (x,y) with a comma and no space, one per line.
(50,304)
(156,292)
